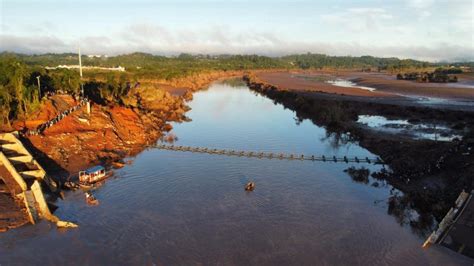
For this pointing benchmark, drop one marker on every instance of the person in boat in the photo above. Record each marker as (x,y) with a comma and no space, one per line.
(250,186)
(91,199)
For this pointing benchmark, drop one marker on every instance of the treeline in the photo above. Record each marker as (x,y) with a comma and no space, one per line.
(20,73)
(438,76)
(319,61)
(451,70)
(23,86)
(152,66)
(144,64)
(18,94)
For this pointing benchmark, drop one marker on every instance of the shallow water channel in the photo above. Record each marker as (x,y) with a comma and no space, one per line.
(348,84)
(187,208)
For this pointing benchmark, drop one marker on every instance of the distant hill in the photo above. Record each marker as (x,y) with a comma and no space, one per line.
(147,62)
(21,74)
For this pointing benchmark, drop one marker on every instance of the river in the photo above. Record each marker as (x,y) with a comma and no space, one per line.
(170,208)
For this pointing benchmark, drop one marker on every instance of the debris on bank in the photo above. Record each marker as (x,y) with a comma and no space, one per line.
(63,224)
(456,230)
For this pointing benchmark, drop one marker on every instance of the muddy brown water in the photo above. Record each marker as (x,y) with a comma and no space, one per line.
(175,208)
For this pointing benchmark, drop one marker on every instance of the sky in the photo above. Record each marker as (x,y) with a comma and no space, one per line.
(432,30)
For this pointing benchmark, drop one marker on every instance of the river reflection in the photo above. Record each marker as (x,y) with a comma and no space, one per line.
(187,208)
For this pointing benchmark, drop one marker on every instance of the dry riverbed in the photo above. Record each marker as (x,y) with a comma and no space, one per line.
(376,87)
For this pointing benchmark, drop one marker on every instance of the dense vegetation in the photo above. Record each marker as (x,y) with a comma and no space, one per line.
(171,67)
(19,73)
(320,61)
(19,86)
(18,95)
(147,65)
(438,76)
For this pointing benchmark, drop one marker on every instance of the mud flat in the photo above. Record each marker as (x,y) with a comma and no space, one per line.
(376,87)
(301,81)
(431,173)
(462,90)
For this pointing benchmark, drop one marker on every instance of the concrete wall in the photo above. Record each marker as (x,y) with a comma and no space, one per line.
(42,205)
(32,198)
(17,146)
(22,196)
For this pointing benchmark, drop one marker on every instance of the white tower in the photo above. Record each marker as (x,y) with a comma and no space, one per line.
(80,73)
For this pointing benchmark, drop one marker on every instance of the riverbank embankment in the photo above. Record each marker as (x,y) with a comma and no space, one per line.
(111,131)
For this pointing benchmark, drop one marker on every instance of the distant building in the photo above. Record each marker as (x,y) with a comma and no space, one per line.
(118,68)
(96,56)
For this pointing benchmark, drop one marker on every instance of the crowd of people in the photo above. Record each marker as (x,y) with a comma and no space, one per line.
(41,128)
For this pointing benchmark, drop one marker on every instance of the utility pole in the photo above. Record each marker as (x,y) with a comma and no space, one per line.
(80,72)
(39,87)
(82,85)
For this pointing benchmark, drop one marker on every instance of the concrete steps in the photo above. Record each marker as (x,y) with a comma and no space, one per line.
(29,175)
(20,159)
(11,153)
(23,161)
(9,145)
(32,174)
(21,166)
(5,142)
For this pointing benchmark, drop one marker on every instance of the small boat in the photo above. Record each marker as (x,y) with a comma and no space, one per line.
(85,186)
(92,175)
(90,199)
(250,186)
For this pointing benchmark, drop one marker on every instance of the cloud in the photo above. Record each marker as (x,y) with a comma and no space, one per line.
(224,40)
(461,19)
(421,7)
(359,19)
(420,4)
(424,14)
(31,44)
(39,27)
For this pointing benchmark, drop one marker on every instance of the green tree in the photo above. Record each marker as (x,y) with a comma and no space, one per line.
(66,80)
(17,78)
(5,105)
